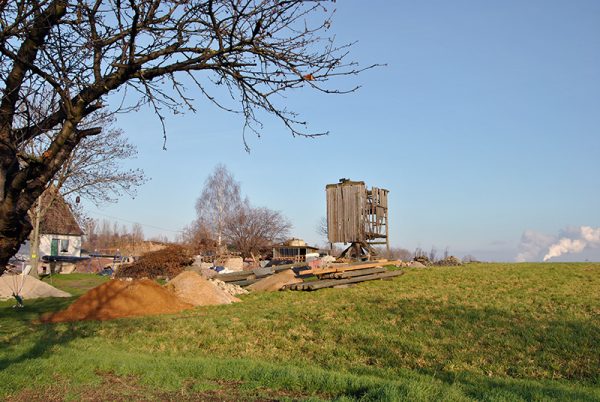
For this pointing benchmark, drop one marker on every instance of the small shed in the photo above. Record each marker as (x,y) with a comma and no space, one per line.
(295,250)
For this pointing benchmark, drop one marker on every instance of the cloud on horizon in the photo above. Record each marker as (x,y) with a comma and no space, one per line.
(533,245)
(537,246)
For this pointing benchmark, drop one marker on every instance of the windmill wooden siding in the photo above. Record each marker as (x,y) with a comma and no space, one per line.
(355,214)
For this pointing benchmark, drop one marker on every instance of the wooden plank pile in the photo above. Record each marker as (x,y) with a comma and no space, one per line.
(245,278)
(317,278)
(331,283)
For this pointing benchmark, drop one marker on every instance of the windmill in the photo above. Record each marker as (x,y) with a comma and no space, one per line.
(358,216)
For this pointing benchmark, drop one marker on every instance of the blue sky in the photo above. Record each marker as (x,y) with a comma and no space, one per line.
(484,124)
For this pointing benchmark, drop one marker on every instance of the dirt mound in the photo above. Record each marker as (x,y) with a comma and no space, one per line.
(194,289)
(275,282)
(28,287)
(116,299)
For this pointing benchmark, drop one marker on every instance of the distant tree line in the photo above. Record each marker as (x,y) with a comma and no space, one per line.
(105,235)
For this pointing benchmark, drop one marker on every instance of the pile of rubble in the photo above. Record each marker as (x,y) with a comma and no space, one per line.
(194,289)
(230,288)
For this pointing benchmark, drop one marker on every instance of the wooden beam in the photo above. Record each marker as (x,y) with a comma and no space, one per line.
(316,285)
(350,274)
(349,267)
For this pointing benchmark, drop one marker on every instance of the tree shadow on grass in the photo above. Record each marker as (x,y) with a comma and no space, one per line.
(19,330)
(22,324)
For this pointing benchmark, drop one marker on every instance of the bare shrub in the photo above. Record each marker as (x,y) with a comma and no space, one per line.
(168,262)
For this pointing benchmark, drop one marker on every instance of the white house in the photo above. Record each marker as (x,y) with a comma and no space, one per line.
(60,235)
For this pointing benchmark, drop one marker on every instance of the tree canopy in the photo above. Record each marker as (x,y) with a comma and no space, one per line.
(71,54)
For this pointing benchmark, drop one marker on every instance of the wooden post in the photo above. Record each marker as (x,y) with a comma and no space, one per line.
(387,232)
(35,241)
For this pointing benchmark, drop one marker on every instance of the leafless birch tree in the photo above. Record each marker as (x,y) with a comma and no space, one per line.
(220,198)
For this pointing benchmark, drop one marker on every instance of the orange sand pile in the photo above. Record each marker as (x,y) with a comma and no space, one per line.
(194,289)
(275,282)
(116,298)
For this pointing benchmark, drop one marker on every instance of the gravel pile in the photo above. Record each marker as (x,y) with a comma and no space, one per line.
(27,287)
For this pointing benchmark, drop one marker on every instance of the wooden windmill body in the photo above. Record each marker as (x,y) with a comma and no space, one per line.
(357,216)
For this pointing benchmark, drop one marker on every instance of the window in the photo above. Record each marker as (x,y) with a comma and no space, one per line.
(64,246)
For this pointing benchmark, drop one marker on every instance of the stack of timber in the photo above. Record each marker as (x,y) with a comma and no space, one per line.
(246,278)
(327,277)
(333,268)
(346,274)
(357,276)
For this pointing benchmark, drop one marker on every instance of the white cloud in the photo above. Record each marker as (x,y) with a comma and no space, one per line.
(533,244)
(574,242)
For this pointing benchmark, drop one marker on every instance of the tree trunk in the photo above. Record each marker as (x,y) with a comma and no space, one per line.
(13,232)
(35,240)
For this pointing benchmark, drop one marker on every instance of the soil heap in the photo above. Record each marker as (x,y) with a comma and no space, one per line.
(116,299)
(32,288)
(192,288)
(275,282)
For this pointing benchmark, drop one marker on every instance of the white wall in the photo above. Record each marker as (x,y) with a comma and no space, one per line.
(74,249)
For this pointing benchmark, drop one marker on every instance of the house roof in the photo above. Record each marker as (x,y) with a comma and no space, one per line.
(283,246)
(59,218)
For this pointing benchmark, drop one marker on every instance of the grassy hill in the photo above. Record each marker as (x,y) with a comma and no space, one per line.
(478,332)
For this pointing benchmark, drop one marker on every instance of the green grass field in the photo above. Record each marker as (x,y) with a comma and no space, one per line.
(478,332)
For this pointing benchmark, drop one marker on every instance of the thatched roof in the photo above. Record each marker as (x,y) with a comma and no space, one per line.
(58,218)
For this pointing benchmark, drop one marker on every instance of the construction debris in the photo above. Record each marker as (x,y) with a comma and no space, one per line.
(231,263)
(230,288)
(449,261)
(291,276)
(330,283)
(192,288)
(350,267)
(350,274)
(204,272)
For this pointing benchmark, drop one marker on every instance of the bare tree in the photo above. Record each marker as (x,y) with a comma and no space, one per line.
(100,237)
(433,254)
(219,199)
(137,233)
(71,54)
(322,227)
(198,238)
(252,230)
(93,170)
